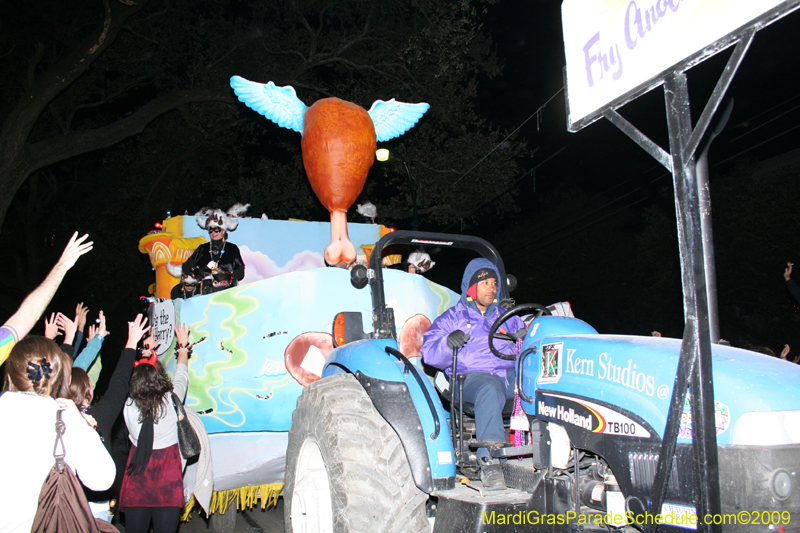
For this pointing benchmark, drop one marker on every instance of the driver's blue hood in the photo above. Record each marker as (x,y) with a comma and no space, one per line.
(472,267)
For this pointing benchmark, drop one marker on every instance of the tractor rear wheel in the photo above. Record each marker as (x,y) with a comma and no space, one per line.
(346,470)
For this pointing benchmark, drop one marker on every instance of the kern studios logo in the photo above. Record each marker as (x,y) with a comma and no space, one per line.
(550,363)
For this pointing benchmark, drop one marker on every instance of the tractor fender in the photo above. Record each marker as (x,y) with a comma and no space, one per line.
(399,398)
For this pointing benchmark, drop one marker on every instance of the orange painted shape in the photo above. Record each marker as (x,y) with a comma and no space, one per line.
(338,150)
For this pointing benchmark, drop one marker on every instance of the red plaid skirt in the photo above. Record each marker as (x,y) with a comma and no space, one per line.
(160,485)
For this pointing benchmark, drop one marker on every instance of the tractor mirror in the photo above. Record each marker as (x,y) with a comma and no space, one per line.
(511,282)
(358,276)
(347,327)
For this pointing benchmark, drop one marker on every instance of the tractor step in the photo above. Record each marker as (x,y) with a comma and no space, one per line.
(519,474)
(467,509)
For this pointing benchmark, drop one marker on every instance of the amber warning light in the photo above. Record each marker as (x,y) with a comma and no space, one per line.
(348,327)
(338,330)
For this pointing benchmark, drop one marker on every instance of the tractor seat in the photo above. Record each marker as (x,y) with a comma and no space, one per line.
(442,385)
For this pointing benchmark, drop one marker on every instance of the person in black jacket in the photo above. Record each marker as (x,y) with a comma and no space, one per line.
(188,287)
(218,263)
(790,284)
(105,411)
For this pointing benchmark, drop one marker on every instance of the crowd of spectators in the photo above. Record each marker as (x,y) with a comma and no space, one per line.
(41,378)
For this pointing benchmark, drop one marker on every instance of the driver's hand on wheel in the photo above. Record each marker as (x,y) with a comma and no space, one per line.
(457,339)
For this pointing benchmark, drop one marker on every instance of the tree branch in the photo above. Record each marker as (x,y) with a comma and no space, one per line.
(42,91)
(37,57)
(57,149)
(222,126)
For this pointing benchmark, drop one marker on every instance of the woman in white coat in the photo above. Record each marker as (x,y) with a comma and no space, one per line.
(35,372)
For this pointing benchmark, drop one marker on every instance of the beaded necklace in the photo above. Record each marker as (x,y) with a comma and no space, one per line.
(216,256)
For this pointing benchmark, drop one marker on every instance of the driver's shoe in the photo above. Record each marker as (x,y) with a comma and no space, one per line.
(492,476)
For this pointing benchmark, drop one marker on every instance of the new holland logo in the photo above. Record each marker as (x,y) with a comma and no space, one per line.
(588,415)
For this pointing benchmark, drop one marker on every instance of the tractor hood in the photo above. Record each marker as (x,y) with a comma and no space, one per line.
(623,385)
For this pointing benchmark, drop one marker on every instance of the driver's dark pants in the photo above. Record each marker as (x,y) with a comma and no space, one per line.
(488,394)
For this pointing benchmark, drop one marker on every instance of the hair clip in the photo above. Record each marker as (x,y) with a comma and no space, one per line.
(46,368)
(34,372)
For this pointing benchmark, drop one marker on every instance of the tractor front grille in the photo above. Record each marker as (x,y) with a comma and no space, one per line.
(643,471)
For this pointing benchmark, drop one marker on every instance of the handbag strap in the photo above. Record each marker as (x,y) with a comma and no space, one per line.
(178,405)
(59,457)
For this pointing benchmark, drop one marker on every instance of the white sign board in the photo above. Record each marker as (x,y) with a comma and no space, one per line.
(618,49)
(161,319)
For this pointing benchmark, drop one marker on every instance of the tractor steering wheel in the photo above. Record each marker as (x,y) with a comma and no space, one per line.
(493,334)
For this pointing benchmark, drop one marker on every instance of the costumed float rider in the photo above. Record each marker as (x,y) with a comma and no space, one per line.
(217,264)
(188,287)
(489,380)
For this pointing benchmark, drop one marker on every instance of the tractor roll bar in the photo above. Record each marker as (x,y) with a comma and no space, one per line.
(382,318)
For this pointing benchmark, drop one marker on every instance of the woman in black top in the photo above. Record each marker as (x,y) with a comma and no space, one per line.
(217,263)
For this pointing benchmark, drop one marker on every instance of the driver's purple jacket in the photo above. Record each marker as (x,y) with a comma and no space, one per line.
(475,355)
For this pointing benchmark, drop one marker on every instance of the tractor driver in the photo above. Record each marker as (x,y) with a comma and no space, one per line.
(489,380)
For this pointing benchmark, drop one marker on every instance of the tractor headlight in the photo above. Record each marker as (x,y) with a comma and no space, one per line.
(780,484)
(767,429)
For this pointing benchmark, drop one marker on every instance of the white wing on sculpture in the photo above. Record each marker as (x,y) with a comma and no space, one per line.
(394,118)
(279,104)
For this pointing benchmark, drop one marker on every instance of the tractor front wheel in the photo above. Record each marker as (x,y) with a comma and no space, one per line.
(346,470)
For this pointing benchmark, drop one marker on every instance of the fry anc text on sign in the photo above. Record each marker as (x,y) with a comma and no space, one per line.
(617,49)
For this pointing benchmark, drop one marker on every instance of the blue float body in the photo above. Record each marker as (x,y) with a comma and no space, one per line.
(370,358)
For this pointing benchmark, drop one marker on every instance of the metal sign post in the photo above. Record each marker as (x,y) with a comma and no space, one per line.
(598,97)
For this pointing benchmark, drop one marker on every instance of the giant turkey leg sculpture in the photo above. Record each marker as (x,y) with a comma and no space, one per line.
(339,140)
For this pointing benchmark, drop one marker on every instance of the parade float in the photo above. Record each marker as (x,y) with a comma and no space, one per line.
(258,344)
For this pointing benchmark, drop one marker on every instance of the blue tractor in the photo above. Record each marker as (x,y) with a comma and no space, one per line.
(375,446)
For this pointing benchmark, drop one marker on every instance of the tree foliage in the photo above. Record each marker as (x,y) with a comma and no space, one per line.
(122,111)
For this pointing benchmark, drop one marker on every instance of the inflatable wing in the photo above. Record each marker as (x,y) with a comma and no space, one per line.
(279,104)
(392,118)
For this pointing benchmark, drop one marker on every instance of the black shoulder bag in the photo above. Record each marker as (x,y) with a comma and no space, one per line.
(187,437)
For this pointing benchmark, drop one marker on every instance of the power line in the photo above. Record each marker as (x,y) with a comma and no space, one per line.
(535,113)
(516,255)
(498,195)
(589,214)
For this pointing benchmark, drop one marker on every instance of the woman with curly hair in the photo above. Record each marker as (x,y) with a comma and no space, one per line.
(35,373)
(152,488)
(104,413)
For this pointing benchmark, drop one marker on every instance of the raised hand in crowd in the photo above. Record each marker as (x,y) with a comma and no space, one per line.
(136,330)
(21,322)
(182,338)
(80,316)
(787,274)
(100,328)
(785,352)
(67,327)
(182,334)
(75,248)
(50,327)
